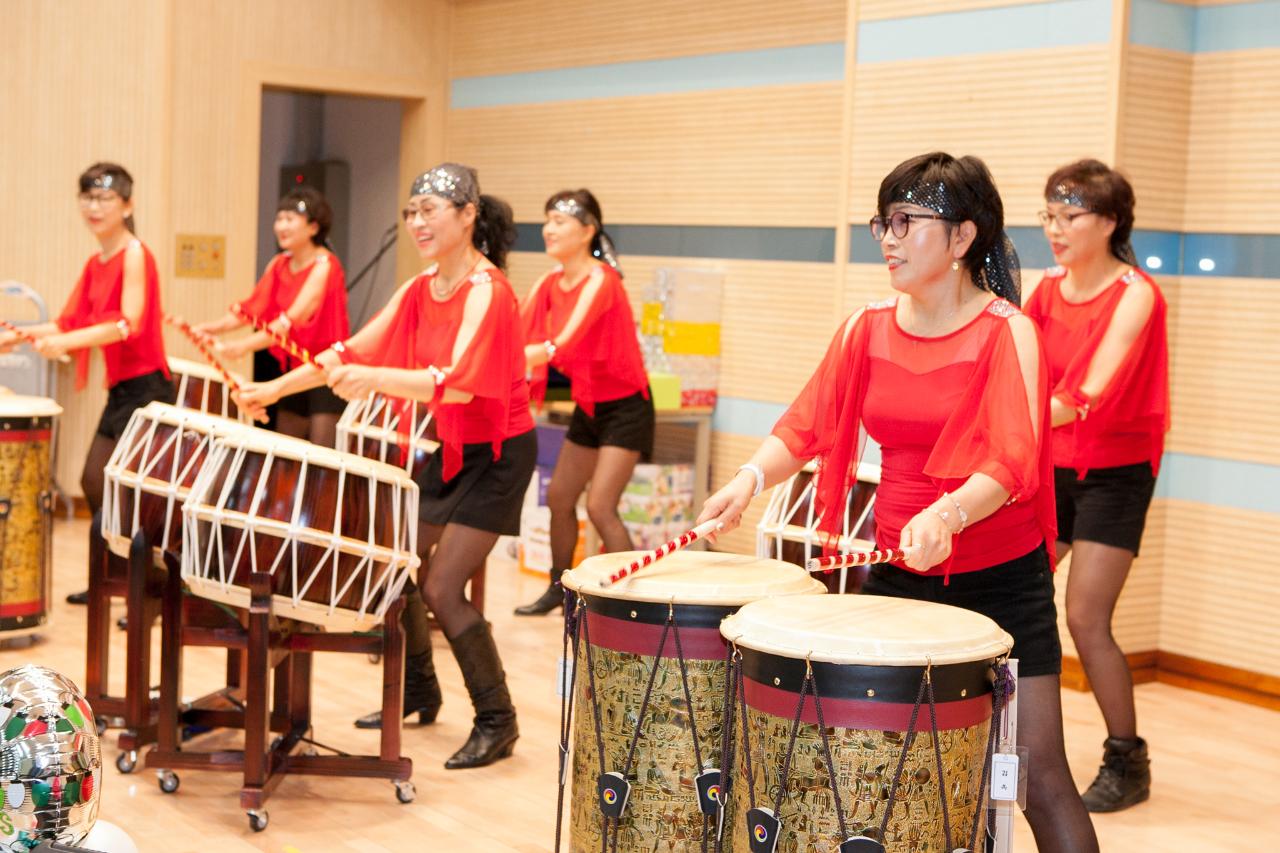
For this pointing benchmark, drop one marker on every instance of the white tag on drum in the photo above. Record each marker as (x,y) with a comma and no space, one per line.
(564,677)
(1004,777)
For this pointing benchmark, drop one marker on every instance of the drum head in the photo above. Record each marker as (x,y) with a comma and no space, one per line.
(866,629)
(194,419)
(19,406)
(692,577)
(288,447)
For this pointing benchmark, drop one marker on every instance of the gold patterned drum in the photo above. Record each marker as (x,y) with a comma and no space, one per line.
(26,526)
(661,627)
(871,661)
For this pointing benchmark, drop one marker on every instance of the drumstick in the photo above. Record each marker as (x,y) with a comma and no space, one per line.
(687,538)
(283,341)
(860,558)
(28,338)
(202,343)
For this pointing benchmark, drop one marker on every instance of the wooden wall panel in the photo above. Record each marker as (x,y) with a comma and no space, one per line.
(762,156)
(1221,608)
(728,451)
(1155,117)
(1223,361)
(1233,162)
(995,106)
(508,36)
(875,9)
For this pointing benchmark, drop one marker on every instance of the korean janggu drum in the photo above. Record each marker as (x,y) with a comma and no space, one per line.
(650,689)
(872,666)
(202,388)
(337,532)
(151,472)
(389,430)
(27,429)
(788,529)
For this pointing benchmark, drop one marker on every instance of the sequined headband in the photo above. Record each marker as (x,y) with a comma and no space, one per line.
(932,195)
(449,181)
(571,207)
(301,206)
(1065,194)
(103,182)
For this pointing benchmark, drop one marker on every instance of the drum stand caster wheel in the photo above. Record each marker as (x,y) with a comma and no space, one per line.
(375,657)
(405,791)
(127,761)
(100,723)
(258,819)
(169,781)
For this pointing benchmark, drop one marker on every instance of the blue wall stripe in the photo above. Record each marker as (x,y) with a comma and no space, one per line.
(812,63)
(1036,25)
(1204,29)
(1200,479)
(707,241)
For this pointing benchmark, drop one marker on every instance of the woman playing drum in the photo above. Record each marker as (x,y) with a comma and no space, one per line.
(303,296)
(115,305)
(450,337)
(949,380)
(1103,323)
(578,319)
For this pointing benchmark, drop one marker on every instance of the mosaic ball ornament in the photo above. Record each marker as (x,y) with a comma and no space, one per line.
(50,760)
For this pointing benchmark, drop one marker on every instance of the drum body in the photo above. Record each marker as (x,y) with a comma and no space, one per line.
(27,429)
(337,532)
(202,388)
(788,530)
(388,429)
(869,654)
(624,627)
(151,472)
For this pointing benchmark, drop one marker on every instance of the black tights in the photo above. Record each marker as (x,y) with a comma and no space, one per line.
(93,478)
(1054,809)
(451,556)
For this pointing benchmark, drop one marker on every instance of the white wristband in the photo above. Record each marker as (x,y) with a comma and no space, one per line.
(758,473)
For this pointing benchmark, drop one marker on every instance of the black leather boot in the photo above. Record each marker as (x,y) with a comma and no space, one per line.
(1124,779)
(551,599)
(421,693)
(494,731)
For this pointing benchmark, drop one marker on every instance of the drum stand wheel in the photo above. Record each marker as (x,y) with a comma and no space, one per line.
(258,819)
(168,781)
(127,761)
(406,792)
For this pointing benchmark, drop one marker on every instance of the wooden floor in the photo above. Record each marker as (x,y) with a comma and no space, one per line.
(1216,762)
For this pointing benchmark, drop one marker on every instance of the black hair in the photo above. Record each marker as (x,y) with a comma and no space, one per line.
(972,195)
(588,202)
(495,230)
(314,206)
(121,184)
(1105,192)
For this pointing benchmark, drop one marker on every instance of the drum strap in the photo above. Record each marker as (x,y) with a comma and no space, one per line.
(584,623)
(728,703)
(926,688)
(693,723)
(1001,691)
(826,753)
(573,621)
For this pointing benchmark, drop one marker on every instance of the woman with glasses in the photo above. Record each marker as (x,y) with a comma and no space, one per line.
(1103,323)
(450,337)
(578,318)
(116,306)
(303,296)
(948,378)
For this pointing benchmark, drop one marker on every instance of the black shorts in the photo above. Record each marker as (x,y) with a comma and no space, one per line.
(1017,596)
(1108,506)
(317,401)
(130,394)
(627,423)
(487,493)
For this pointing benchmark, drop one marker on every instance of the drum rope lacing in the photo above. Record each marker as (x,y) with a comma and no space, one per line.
(574,616)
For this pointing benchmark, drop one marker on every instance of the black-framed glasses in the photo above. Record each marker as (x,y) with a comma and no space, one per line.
(899,222)
(1062,220)
(101,198)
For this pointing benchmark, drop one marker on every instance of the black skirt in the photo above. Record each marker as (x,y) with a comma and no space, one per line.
(486,493)
(627,423)
(1108,506)
(128,395)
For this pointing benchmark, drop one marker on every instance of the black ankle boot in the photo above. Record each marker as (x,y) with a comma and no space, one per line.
(494,731)
(551,599)
(421,693)
(1124,779)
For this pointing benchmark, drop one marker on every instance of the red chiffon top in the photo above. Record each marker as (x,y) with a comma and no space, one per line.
(96,299)
(602,358)
(422,333)
(276,291)
(1126,423)
(941,409)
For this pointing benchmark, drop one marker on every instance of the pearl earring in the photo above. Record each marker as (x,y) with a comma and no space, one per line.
(955,265)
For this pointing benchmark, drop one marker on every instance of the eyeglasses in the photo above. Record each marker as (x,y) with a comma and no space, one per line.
(427,212)
(1062,220)
(899,223)
(101,199)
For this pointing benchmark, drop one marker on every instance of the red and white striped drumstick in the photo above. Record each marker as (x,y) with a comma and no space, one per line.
(202,343)
(28,338)
(860,558)
(683,540)
(283,341)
